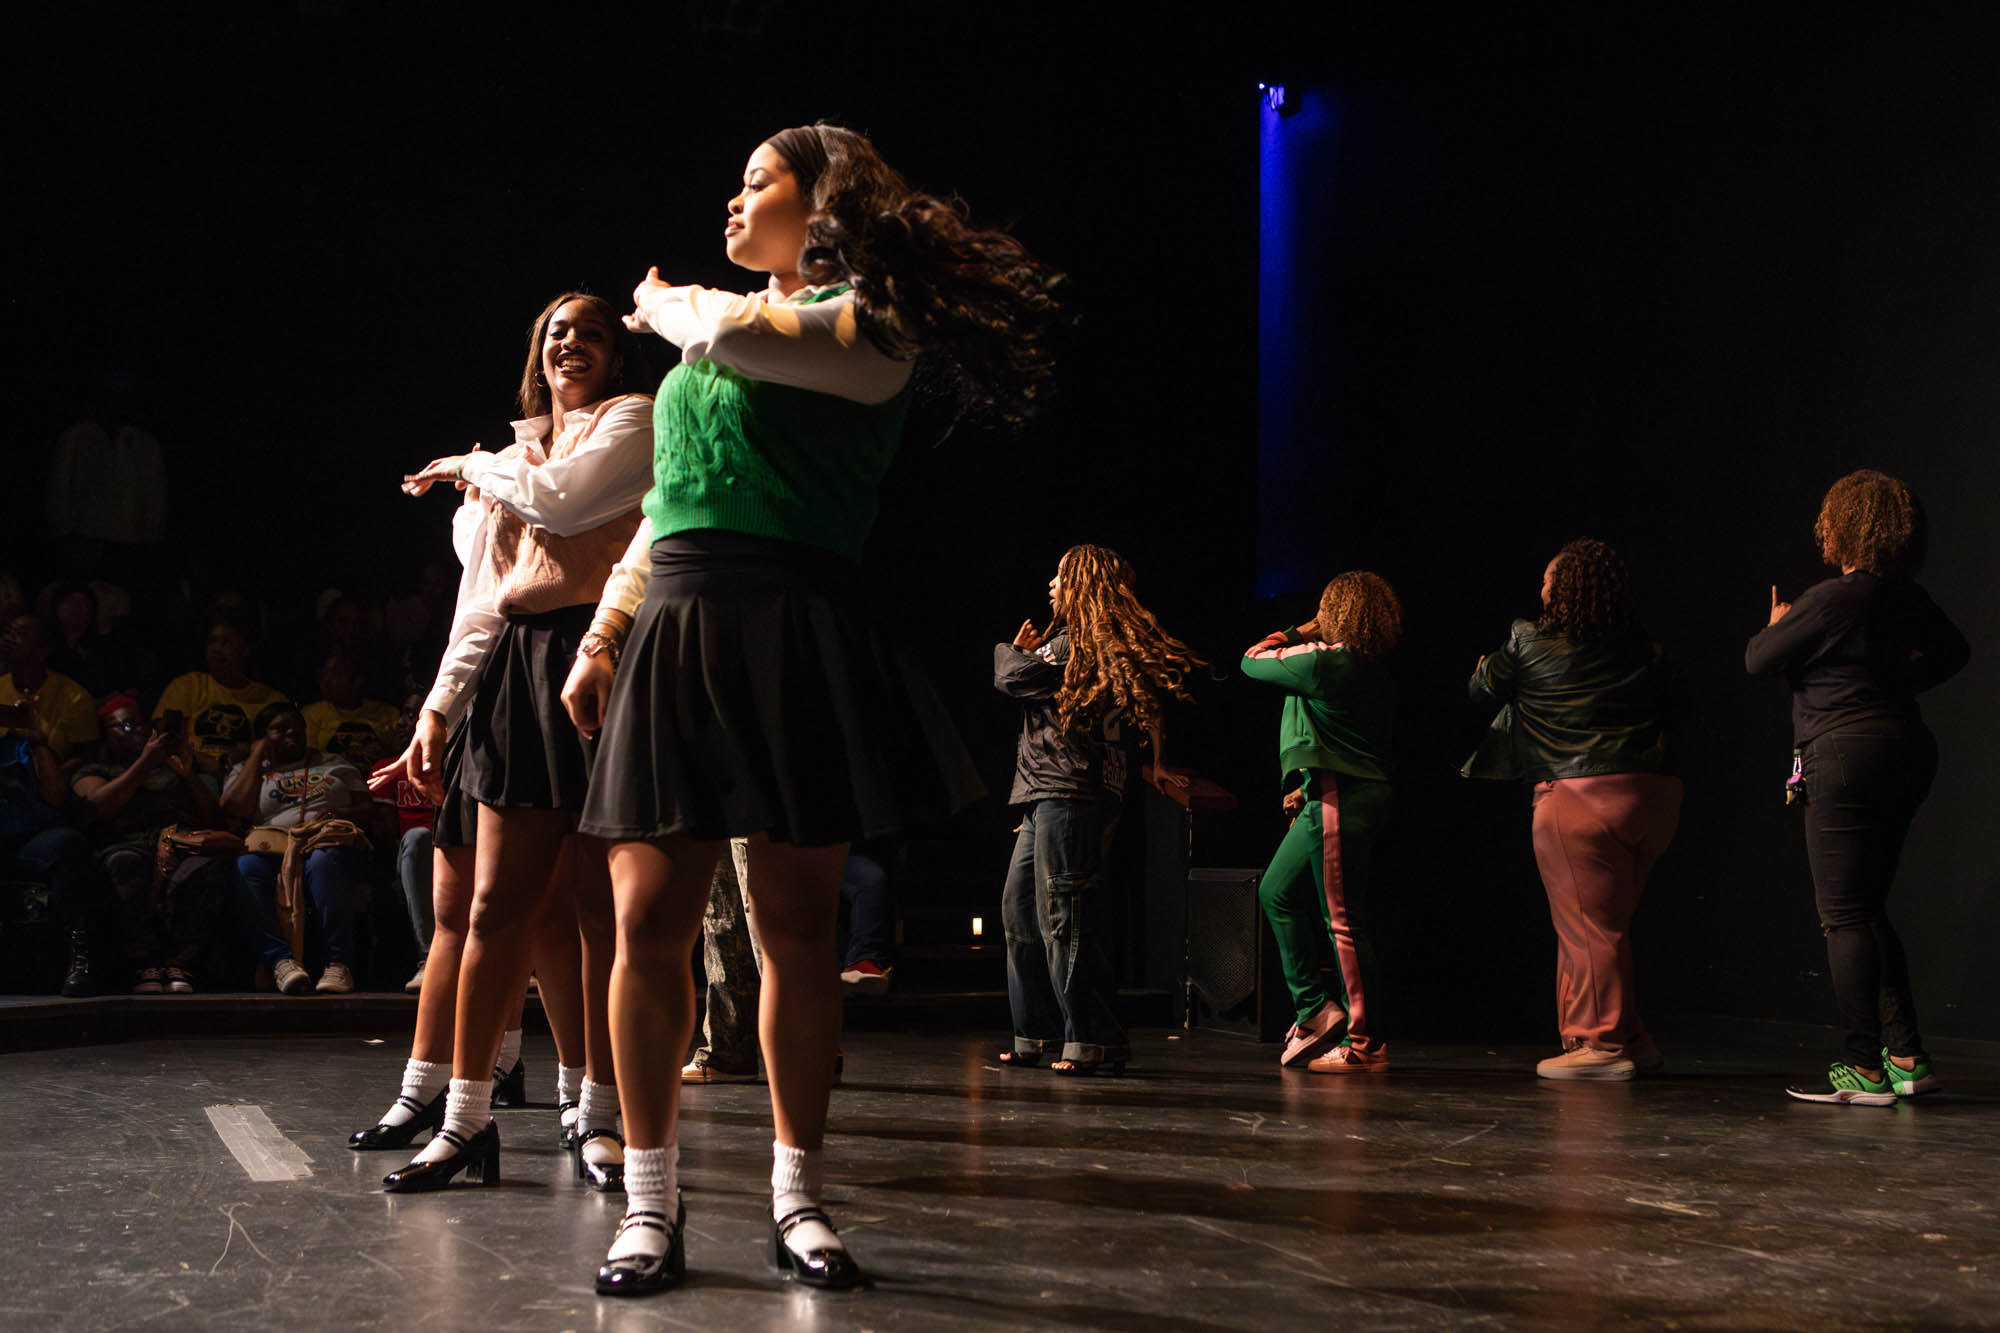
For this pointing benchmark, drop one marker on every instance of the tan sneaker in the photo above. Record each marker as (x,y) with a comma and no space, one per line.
(336,980)
(1347,1060)
(700,1071)
(290,978)
(1587,1064)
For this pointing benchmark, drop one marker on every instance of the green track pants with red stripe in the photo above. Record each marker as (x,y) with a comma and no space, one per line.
(1315,895)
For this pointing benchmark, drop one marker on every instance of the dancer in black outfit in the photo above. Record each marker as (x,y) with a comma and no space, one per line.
(1857,650)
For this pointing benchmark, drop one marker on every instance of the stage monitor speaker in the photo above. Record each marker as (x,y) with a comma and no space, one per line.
(1232,976)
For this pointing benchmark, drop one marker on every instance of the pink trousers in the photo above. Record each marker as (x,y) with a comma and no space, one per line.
(1596,840)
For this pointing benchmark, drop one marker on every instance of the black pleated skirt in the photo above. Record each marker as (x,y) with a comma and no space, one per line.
(457,821)
(757,695)
(520,750)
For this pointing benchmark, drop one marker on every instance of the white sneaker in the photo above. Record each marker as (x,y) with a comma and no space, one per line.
(291,979)
(416,981)
(336,980)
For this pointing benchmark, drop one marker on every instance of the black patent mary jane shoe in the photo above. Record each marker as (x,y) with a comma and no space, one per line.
(566,1134)
(834,1269)
(638,1275)
(425,1117)
(605,1177)
(478,1157)
(511,1088)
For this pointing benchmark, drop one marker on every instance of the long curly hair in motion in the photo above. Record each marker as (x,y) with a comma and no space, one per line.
(1589,597)
(971,300)
(1120,658)
(1872,521)
(1361,611)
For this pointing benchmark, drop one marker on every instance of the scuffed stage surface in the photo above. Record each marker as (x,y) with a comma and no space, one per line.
(1202,1191)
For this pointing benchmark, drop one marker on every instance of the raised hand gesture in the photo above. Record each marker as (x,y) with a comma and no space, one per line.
(1778,608)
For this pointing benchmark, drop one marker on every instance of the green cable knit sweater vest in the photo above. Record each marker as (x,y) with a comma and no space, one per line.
(771,460)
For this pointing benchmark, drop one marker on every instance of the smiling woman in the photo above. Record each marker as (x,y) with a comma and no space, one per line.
(541,525)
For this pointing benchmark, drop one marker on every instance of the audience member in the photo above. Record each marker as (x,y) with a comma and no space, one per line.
(80,650)
(214,708)
(416,817)
(308,800)
(62,708)
(865,936)
(148,784)
(419,626)
(36,845)
(344,723)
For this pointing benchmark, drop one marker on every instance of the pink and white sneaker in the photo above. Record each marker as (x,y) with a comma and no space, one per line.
(1307,1039)
(1347,1060)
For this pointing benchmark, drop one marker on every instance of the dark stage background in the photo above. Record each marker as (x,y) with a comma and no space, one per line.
(1646,273)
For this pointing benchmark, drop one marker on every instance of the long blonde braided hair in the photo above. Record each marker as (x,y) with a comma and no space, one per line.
(1120,658)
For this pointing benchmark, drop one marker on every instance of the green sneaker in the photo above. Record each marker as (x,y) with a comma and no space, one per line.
(1849,1085)
(1909,1082)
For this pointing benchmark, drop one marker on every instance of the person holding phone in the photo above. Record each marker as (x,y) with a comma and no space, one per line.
(149,781)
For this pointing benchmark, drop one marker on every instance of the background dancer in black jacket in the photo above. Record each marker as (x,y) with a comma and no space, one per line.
(1589,696)
(1089,687)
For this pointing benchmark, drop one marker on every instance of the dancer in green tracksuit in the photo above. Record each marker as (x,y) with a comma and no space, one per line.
(1333,749)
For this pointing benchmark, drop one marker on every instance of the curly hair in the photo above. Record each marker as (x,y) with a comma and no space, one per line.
(1360,610)
(628,364)
(979,308)
(1872,521)
(1589,596)
(1120,659)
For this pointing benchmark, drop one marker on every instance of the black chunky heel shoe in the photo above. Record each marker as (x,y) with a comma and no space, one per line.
(604,1177)
(429,1117)
(834,1269)
(478,1157)
(511,1088)
(638,1275)
(566,1134)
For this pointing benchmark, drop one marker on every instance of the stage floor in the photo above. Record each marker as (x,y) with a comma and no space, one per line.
(1204,1190)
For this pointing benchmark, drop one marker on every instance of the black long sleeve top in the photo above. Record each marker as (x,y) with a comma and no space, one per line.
(1857,647)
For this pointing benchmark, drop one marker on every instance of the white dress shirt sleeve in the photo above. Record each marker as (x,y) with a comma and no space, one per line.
(626,587)
(819,346)
(475,623)
(604,479)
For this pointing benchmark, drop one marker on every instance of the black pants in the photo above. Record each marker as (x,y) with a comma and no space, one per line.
(1863,785)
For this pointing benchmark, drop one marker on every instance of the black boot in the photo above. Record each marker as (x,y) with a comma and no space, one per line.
(79,983)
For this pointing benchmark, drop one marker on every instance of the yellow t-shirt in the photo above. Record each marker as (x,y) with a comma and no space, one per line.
(365,733)
(216,718)
(63,709)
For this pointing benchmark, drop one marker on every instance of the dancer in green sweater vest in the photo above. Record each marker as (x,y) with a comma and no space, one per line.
(752,697)
(1333,749)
